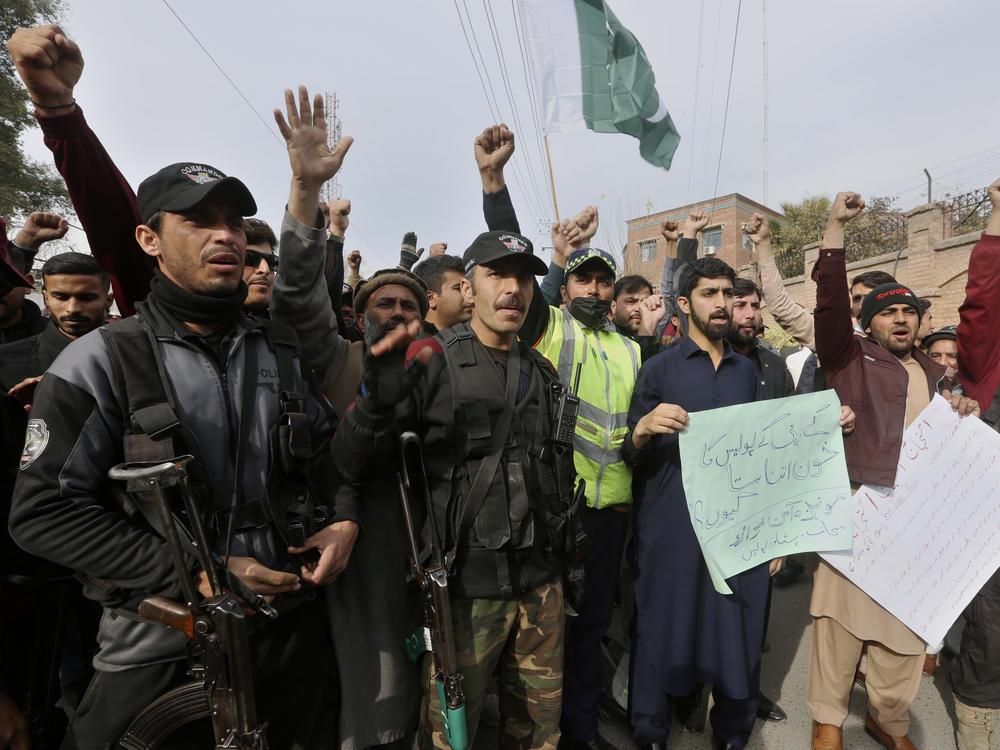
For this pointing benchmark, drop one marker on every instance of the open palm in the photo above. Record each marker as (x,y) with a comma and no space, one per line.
(312,161)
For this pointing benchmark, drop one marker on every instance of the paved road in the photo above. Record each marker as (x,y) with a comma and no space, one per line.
(783,678)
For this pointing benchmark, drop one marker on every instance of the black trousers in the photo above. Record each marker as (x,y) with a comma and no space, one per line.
(975,673)
(606,531)
(295,680)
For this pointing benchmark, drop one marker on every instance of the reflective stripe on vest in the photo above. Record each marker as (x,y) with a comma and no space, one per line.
(609,367)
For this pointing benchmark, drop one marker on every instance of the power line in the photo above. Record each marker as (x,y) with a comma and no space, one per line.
(224,74)
(502,60)
(253,109)
(494,107)
(529,79)
(725,116)
(32,210)
(697,82)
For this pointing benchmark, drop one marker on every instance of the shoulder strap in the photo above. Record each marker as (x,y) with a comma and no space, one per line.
(146,404)
(488,467)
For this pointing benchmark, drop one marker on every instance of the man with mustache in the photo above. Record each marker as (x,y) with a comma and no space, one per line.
(78,296)
(686,633)
(579,337)
(482,403)
(219,385)
(888,382)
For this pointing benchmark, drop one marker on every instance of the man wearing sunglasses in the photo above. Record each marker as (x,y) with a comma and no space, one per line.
(260,266)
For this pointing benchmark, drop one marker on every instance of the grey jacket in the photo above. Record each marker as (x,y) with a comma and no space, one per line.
(301,299)
(63,508)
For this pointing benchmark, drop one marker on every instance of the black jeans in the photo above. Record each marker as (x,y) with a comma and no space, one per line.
(295,680)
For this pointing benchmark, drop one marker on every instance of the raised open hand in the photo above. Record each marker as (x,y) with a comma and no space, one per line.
(49,64)
(313,163)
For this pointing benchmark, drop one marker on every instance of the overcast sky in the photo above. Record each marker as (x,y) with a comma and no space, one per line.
(862,95)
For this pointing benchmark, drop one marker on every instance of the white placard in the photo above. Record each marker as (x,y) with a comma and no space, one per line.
(924,548)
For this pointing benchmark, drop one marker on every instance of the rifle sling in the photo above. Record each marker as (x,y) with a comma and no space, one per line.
(488,467)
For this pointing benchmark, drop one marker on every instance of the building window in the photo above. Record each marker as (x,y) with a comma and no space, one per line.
(647,251)
(711,240)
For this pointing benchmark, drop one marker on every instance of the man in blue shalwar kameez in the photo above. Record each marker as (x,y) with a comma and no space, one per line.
(686,632)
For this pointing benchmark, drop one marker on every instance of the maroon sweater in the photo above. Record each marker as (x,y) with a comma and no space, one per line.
(867,377)
(105,203)
(979,326)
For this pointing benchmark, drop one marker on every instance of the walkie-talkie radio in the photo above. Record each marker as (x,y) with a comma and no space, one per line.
(567,407)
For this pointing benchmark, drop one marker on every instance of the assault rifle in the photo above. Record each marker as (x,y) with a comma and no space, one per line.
(218,648)
(438,631)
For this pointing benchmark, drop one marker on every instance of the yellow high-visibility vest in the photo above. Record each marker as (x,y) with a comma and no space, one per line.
(609,367)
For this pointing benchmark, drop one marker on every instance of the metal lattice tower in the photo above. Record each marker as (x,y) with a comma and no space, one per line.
(331,188)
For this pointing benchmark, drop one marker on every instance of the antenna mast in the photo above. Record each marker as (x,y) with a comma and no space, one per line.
(331,188)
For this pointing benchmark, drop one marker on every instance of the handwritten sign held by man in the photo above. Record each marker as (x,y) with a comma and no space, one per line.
(766,479)
(925,547)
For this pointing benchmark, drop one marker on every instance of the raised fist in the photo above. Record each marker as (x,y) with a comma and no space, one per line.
(339,209)
(49,64)
(694,223)
(438,248)
(846,206)
(41,227)
(994,192)
(670,231)
(757,229)
(354,259)
(493,148)
(587,221)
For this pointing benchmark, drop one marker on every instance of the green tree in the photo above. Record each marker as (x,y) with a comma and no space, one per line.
(880,228)
(25,184)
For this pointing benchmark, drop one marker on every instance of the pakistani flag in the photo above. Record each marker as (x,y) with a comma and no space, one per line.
(591,72)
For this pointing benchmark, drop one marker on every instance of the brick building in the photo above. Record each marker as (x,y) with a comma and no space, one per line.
(723,237)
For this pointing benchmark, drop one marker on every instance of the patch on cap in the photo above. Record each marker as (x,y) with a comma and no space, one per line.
(36,437)
(514,244)
(201,174)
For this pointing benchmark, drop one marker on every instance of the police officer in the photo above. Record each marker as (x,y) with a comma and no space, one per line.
(226,380)
(580,338)
(483,403)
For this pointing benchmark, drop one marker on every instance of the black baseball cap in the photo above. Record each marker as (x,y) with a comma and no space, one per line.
(492,246)
(181,186)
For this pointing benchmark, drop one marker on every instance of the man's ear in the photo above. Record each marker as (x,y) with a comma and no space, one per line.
(614,306)
(148,240)
(684,304)
(466,288)
(108,300)
(432,300)
(564,295)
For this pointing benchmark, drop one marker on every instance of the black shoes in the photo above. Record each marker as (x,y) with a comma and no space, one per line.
(768,710)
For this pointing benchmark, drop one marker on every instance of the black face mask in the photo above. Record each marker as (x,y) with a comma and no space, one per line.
(590,311)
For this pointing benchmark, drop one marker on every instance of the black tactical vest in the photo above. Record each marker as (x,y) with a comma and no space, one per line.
(513,544)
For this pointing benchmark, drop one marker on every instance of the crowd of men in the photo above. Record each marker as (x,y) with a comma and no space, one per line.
(292,388)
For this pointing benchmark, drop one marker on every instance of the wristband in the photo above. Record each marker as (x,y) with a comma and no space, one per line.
(72,103)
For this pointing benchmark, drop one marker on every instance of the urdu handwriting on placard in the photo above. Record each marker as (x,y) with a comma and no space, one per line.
(764,492)
(923,548)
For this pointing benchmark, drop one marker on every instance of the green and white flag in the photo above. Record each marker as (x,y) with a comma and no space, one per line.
(591,72)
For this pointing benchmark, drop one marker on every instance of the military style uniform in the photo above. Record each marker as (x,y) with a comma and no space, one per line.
(506,576)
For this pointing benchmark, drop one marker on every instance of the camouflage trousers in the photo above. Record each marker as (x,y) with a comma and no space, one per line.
(521,640)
